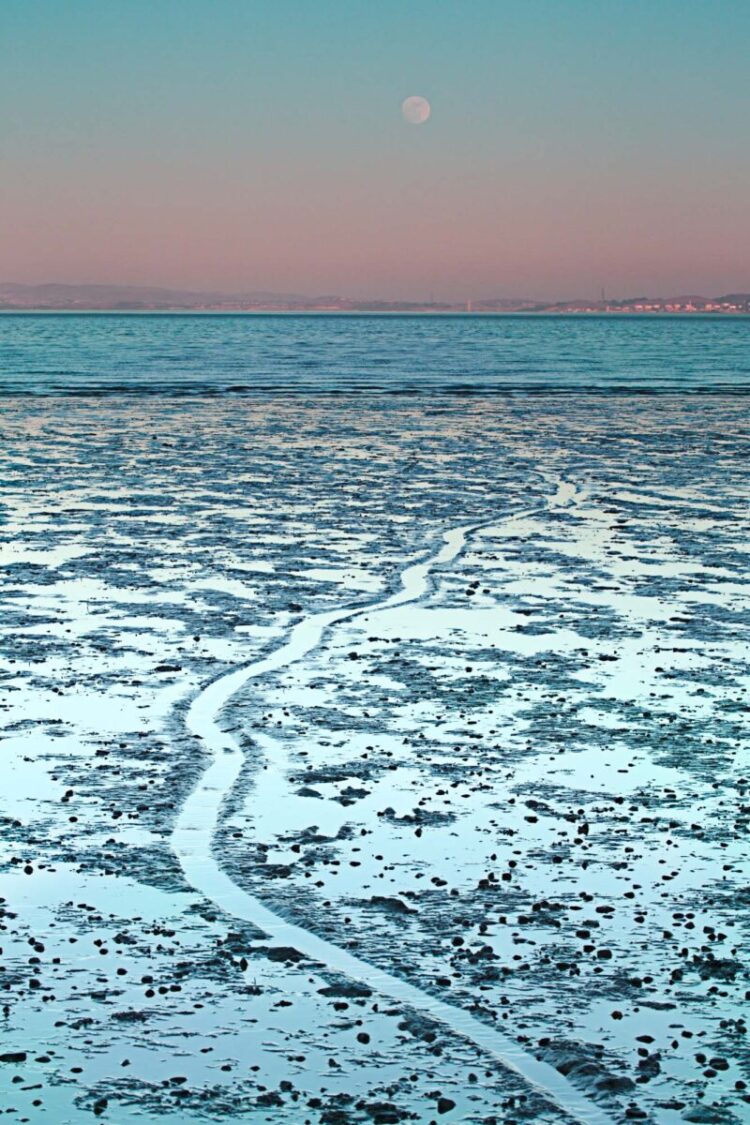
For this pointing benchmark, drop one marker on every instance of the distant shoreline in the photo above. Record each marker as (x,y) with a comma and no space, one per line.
(483,314)
(63,297)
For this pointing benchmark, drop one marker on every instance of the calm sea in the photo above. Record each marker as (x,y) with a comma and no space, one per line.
(187,354)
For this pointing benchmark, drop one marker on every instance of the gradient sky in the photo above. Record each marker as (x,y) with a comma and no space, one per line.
(258,144)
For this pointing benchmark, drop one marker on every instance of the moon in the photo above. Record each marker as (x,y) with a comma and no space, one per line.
(415,109)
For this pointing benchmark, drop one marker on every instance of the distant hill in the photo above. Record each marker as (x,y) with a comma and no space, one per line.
(55,295)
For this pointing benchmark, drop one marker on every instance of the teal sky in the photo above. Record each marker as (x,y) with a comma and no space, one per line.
(254,144)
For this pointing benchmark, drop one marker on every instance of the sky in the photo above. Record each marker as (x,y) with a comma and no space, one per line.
(259,145)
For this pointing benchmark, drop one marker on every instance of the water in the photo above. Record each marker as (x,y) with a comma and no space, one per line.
(214,354)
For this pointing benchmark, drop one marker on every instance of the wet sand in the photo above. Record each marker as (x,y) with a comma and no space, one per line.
(476,852)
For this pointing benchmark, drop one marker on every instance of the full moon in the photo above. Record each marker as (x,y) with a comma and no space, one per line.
(415,109)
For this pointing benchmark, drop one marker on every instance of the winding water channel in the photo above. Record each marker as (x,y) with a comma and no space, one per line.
(196,825)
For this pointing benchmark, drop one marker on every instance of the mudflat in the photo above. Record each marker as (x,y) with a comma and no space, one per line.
(374,759)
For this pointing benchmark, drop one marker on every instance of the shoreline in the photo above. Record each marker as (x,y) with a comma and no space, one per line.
(387,313)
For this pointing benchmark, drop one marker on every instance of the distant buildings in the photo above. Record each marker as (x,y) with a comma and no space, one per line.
(731,303)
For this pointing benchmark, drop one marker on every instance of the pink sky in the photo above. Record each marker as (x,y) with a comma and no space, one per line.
(239,149)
